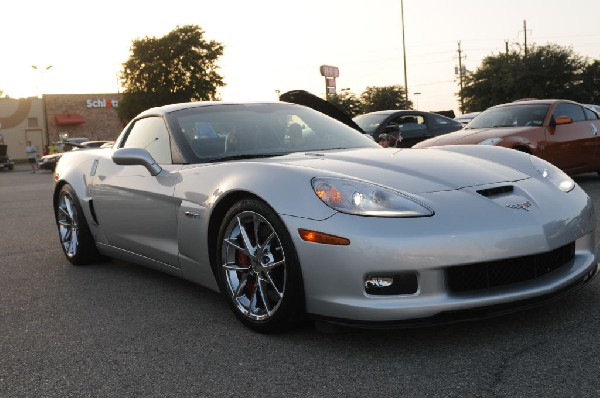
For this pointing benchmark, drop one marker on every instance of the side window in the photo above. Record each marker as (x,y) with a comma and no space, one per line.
(590,115)
(410,122)
(438,121)
(573,111)
(151,134)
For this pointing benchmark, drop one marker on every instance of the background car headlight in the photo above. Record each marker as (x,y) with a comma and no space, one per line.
(490,141)
(553,174)
(365,199)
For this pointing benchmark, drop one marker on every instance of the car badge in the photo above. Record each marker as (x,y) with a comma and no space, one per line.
(523,206)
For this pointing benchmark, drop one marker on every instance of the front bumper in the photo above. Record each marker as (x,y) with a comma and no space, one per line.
(334,276)
(452,316)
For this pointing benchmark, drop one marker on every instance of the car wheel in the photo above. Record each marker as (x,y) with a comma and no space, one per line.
(259,271)
(74,233)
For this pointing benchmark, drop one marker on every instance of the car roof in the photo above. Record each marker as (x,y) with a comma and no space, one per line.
(536,102)
(391,111)
(162,110)
(401,111)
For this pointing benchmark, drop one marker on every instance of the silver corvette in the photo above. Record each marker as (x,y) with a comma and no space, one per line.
(293,215)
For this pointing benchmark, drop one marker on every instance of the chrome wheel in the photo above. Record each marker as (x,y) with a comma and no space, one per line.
(68,226)
(253,266)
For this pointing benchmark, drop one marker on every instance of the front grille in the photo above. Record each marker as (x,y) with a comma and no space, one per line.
(478,276)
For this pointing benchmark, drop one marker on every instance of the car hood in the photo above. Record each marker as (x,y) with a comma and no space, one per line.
(472,136)
(409,170)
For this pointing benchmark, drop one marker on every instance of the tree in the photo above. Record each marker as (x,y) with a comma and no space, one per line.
(382,98)
(348,102)
(591,82)
(548,71)
(179,67)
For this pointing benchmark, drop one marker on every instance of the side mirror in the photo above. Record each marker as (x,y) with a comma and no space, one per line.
(556,121)
(136,157)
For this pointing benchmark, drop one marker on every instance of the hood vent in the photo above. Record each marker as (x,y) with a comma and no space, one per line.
(496,191)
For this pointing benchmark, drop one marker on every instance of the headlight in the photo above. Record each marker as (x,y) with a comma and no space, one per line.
(553,174)
(490,141)
(365,199)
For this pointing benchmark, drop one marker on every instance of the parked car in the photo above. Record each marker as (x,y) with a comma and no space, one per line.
(5,161)
(593,107)
(466,118)
(290,213)
(48,162)
(408,127)
(562,132)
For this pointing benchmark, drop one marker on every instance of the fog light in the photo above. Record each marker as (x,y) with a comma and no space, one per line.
(391,284)
(378,282)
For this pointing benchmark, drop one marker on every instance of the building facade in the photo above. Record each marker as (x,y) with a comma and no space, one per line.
(47,119)
(22,120)
(92,116)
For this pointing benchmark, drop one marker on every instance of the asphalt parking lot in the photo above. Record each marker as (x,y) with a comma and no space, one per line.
(115,329)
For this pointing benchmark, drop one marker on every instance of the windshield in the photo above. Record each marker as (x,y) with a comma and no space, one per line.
(517,115)
(221,132)
(369,123)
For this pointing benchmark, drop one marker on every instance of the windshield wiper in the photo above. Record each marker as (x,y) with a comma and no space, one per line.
(503,125)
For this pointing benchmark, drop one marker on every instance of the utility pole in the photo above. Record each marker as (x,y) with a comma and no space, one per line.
(525,31)
(460,77)
(404,51)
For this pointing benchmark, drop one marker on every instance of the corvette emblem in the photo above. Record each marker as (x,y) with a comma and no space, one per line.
(523,206)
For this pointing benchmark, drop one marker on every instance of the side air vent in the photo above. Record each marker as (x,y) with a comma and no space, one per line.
(93,211)
(496,191)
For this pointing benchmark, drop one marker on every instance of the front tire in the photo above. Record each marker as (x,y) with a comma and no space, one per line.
(74,233)
(258,269)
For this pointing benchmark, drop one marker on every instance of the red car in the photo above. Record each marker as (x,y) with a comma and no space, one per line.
(562,132)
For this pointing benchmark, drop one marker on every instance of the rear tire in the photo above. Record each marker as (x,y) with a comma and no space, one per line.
(258,269)
(74,233)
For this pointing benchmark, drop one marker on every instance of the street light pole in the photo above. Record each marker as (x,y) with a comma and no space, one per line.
(417,100)
(42,71)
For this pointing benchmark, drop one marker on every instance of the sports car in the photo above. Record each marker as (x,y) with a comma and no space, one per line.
(562,132)
(294,216)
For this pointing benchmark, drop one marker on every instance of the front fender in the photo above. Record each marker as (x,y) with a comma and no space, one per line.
(514,142)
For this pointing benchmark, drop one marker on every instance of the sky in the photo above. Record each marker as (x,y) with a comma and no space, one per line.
(279,45)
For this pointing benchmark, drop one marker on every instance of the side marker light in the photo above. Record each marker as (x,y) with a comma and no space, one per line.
(323,238)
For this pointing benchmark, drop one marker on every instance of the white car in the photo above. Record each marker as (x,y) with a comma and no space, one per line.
(292,214)
(466,118)
(595,108)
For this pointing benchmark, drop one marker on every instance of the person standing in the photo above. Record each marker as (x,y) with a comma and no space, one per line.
(31,155)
